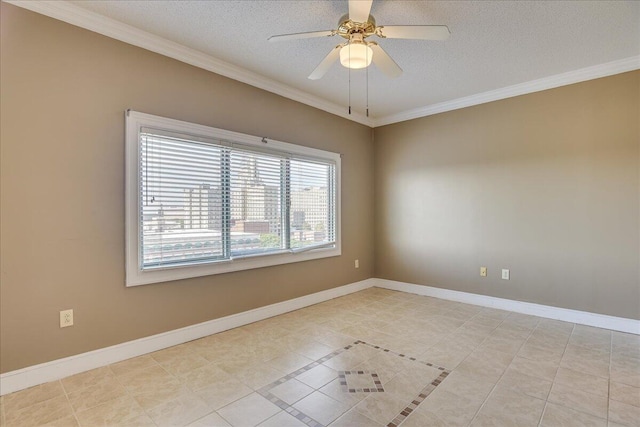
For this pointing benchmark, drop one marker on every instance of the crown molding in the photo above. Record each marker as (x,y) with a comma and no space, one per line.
(80,17)
(563,79)
(74,15)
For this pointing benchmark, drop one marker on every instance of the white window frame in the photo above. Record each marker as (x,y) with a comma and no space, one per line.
(135,275)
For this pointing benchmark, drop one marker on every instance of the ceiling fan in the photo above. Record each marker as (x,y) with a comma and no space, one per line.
(357,52)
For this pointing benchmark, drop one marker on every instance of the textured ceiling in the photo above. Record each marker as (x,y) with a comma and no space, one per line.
(493,44)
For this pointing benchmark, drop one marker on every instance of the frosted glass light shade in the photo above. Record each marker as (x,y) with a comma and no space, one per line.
(356,55)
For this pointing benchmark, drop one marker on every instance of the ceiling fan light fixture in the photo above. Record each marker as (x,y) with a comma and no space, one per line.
(356,55)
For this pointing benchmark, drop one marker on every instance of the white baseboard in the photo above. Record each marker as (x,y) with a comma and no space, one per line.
(56,369)
(574,316)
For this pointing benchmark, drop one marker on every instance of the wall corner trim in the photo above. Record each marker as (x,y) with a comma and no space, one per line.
(75,15)
(50,371)
(620,324)
(563,79)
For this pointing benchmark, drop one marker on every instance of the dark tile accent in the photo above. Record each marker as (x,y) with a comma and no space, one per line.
(376,385)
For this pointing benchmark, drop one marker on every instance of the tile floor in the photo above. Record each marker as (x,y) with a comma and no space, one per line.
(373,358)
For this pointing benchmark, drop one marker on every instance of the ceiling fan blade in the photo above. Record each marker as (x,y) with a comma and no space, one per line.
(326,63)
(384,61)
(421,32)
(295,36)
(359,10)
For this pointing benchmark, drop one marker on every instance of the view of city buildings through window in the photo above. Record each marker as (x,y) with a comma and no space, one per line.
(206,202)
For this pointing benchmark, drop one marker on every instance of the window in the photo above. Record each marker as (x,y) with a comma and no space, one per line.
(204,201)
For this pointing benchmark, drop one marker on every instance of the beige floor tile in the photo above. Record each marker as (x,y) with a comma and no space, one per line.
(69,421)
(181,365)
(39,413)
(446,354)
(203,377)
(624,393)
(624,414)
(625,370)
(534,352)
(384,364)
(146,380)
(211,420)
(171,353)
(466,386)
(353,418)
(85,379)
(557,326)
(335,391)
(321,407)
(21,399)
(218,352)
(406,386)
(334,340)
(503,344)
(153,398)
(560,416)
(345,361)
(452,409)
(583,381)
(223,392)
(121,412)
(579,400)
(234,335)
(590,352)
(179,412)
(132,365)
(289,362)
(596,367)
(105,389)
(592,342)
(631,351)
(291,391)
(382,407)
(318,376)
(235,365)
(314,350)
(177,384)
(623,338)
(424,419)
(534,368)
(251,410)
(258,376)
(508,408)
(282,419)
(525,384)
(483,367)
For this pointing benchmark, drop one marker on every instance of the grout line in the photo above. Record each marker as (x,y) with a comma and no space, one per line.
(507,368)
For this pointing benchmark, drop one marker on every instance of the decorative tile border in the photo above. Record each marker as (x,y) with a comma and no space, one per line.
(418,400)
(344,382)
(342,375)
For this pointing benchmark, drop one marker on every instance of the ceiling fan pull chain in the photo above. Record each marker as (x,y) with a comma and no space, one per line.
(349,46)
(367,78)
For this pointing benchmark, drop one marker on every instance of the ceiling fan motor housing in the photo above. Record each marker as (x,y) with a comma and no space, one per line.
(347,27)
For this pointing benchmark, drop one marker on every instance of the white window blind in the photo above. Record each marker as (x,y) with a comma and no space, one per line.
(211,201)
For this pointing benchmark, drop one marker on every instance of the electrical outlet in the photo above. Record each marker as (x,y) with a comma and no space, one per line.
(357,263)
(66,318)
(483,271)
(505,274)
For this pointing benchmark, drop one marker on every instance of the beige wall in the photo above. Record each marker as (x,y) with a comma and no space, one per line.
(63,95)
(545,184)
